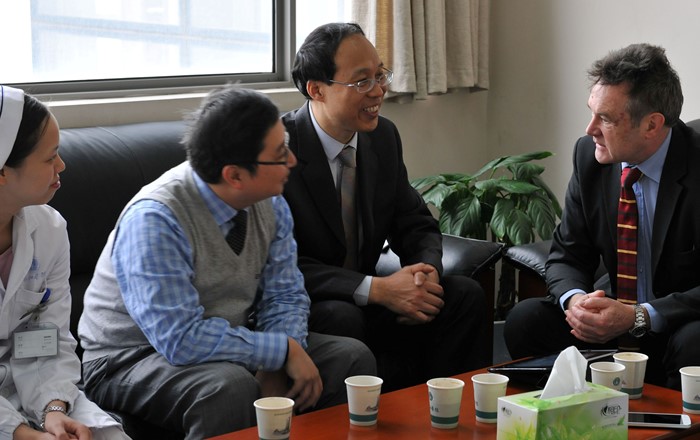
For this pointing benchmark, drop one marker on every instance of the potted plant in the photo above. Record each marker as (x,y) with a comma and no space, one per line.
(506,197)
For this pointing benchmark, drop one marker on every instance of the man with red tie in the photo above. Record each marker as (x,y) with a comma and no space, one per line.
(633,200)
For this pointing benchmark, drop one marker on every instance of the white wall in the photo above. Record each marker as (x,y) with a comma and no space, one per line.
(540,51)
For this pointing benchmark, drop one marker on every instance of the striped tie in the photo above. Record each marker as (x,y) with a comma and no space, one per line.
(236,236)
(347,204)
(627,238)
(627,249)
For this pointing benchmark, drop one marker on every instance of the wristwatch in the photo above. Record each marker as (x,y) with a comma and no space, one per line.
(640,323)
(48,409)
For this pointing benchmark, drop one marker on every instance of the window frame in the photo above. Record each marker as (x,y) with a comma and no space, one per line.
(284,43)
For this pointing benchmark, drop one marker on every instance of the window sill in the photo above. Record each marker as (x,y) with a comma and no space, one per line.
(114,111)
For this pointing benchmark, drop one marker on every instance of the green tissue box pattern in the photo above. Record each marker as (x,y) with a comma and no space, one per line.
(599,414)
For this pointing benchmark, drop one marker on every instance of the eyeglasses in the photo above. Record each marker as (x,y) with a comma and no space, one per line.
(285,156)
(364,86)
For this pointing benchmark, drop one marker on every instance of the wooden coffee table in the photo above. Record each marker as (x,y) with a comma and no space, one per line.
(404,415)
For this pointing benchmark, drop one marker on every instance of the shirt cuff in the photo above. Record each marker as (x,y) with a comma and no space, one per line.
(657,323)
(566,295)
(270,351)
(361,294)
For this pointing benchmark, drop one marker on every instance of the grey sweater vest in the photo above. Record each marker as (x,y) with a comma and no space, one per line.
(227,283)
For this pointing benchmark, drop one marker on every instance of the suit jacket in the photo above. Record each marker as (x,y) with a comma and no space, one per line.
(588,229)
(390,209)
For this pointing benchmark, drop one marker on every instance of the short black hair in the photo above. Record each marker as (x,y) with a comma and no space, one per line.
(229,128)
(653,84)
(315,59)
(35,118)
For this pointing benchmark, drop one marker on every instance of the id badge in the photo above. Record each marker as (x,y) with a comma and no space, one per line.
(36,341)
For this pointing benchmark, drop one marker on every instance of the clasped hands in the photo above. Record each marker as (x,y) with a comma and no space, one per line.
(595,318)
(414,293)
(58,427)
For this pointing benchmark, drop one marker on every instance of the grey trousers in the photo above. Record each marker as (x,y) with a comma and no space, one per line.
(214,398)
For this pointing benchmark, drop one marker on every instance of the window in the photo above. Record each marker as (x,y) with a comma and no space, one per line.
(118,47)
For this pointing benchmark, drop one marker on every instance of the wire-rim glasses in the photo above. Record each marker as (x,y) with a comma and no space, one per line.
(364,86)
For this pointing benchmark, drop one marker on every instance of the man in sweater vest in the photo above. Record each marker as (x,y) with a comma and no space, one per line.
(197,307)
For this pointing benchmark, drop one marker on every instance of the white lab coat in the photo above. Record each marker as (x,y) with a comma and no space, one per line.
(41,261)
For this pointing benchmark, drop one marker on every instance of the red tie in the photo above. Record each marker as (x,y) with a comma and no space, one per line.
(627,250)
(627,238)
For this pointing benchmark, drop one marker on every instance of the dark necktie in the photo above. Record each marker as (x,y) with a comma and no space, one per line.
(627,238)
(347,204)
(236,236)
(627,220)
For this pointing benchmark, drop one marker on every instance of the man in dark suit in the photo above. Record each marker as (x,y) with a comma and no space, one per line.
(418,324)
(635,102)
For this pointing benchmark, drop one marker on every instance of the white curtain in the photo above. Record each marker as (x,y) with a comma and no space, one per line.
(433,46)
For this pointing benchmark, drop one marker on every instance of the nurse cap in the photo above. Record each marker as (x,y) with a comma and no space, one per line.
(11,108)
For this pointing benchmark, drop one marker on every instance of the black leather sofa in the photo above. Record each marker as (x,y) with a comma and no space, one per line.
(106,166)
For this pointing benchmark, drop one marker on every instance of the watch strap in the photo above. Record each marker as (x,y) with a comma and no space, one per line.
(48,409)
(640,323)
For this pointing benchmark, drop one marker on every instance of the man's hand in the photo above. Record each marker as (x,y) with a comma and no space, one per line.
(24,432)
(307,385)
(413,292)
(64,428)
(597,319)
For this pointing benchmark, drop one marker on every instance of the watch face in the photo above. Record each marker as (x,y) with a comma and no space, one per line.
(638,332)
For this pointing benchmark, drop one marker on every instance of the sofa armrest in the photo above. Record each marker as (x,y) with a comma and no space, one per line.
(531,256)
(460,256)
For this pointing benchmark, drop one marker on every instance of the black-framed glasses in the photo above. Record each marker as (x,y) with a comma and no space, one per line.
(285,156)
(364,86)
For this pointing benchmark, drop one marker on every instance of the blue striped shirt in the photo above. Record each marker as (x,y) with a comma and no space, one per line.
(154,266)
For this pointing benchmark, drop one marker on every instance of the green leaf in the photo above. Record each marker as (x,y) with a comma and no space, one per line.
(552,198)
(526,171)
(505,161)
(519,228)
(428,181)
(463,218)
(499,219)
(542,215)
(437,194)
(507,185)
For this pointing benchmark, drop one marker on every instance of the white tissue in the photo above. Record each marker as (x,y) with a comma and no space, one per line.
(568,375)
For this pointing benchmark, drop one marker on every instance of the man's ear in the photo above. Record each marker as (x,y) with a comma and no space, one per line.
(654,122)
(315,90)
(232,175)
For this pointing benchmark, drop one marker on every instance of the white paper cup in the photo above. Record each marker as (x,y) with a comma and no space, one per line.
(488,387)
(690,387)
(274,415)
(363,399)
(445,398)
(608,374)
(635,368)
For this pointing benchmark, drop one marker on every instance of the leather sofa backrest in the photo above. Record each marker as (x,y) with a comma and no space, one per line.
(105,167)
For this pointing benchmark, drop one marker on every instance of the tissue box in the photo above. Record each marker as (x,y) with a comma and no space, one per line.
(599,413)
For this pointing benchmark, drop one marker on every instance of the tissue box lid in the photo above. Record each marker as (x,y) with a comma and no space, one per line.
(532,401)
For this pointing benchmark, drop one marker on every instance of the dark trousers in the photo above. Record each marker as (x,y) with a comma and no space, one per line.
(213,398)
(536,326)
(453,343)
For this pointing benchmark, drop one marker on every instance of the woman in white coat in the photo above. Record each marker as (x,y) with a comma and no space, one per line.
(39,369)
